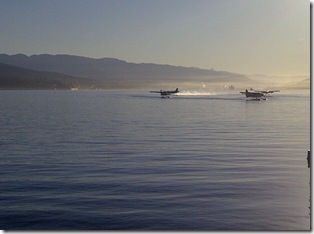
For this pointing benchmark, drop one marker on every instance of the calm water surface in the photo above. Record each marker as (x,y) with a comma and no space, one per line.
(129,160)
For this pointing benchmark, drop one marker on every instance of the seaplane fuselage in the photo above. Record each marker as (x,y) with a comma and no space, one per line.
(256,95)
(253,94)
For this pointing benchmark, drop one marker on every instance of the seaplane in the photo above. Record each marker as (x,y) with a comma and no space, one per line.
(166,94)
(258,94)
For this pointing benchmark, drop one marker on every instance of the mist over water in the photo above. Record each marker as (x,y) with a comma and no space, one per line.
(130,160)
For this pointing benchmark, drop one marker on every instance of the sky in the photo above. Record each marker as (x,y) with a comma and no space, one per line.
(243,36)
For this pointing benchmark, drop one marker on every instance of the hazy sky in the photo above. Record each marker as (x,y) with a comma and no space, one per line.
(245,36)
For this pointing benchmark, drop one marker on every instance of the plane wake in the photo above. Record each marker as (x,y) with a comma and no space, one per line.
(195,93)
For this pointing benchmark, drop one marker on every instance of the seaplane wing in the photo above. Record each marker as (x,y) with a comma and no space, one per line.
(261,91)
(268,91)
(165,92)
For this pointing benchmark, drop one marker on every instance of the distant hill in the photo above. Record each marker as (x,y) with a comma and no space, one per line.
(304,84)
(12,77)
(281,82)
(118,73)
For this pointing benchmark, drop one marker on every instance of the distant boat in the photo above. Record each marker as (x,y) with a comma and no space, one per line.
(75,86)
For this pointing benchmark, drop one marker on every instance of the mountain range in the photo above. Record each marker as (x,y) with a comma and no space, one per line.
(65,71)
(12,77)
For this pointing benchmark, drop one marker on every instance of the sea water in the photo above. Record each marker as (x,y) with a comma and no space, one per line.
(130,160)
